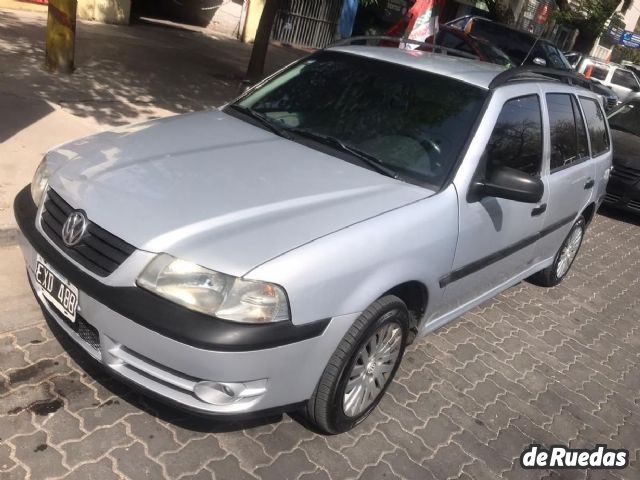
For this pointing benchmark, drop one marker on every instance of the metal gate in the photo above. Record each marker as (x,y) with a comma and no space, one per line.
(307,23)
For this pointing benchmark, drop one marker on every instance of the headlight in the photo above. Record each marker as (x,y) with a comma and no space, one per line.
(40,181)
(214,293)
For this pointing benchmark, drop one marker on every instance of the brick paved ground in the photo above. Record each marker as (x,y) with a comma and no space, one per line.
(557,366)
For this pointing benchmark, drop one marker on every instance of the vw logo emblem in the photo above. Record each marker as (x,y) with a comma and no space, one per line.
(74,228)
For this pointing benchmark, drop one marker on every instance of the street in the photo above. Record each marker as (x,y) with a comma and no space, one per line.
(556,366)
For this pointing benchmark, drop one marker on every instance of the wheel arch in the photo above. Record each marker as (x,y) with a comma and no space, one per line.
(416,296)
(589,212)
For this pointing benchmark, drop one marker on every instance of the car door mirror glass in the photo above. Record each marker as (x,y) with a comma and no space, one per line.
(540,62)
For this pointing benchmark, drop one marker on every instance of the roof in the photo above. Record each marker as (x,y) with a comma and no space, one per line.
(469,71)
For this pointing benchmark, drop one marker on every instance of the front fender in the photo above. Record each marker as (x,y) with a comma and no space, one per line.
(346,271)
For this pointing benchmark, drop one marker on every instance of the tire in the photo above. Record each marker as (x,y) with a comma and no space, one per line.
(383,321)
(553,275)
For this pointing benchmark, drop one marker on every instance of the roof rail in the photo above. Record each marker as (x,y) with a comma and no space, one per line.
(405,41)
(534,73)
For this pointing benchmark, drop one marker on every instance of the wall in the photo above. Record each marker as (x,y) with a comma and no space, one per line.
(254,12)
(105,11)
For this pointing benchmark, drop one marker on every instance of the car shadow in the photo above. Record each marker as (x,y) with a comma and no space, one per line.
(192,421)
(620,215)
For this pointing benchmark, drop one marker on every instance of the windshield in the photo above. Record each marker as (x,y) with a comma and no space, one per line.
(626,118)
(555,58)
(409,121)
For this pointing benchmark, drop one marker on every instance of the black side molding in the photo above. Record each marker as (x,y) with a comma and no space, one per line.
(158,314)
(473,267)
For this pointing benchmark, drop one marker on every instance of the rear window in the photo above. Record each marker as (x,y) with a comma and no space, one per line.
(599,73)
(568,138)
(596,125)
(514,43)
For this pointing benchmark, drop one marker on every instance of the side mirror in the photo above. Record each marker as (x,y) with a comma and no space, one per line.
(511,184)
(540,62)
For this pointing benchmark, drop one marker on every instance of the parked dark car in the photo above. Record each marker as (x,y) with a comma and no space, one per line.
(524,48)
(454,38)
(515,43)
(623,190)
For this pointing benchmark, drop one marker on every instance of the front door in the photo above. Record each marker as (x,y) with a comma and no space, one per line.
(497,236)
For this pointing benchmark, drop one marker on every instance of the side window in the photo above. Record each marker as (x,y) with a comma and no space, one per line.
(516,140)
(581,130)
(596,125)
(566,128)
(599,73)
(624,79)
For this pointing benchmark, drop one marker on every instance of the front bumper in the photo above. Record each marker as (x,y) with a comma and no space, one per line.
(265,375)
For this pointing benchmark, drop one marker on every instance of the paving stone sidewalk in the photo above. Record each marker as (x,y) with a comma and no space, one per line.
(558,366)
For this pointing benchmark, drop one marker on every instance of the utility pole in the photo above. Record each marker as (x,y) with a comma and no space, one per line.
(61,35)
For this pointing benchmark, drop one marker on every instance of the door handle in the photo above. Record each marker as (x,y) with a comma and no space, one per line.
(539,210)
(590,183)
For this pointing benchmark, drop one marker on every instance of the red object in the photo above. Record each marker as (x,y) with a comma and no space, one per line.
(543,13)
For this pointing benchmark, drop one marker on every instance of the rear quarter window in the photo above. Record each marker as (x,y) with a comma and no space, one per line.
(596,126)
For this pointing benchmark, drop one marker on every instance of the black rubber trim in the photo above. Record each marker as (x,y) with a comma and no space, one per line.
(158,314)
(478,265)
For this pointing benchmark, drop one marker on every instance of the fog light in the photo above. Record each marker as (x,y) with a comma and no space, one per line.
(216,393)
(226,393)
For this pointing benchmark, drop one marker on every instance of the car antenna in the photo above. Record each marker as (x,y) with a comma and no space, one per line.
(532,47)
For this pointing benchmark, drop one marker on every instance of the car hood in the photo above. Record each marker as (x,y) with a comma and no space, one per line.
(217,191)
(626,149)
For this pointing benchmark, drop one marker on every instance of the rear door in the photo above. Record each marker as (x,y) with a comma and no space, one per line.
(571,171)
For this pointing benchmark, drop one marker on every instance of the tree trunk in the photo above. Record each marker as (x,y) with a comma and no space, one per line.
(255,70)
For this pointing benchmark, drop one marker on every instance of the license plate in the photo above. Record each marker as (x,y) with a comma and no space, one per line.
(61,293)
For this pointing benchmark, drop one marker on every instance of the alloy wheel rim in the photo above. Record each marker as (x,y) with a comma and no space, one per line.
(569,252)
(372,369)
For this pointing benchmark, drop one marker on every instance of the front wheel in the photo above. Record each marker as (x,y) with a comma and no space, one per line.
(554,273)
(361,368)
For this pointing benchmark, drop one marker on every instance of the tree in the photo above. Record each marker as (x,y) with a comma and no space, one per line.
(590,18)
(255,69)
(500,11)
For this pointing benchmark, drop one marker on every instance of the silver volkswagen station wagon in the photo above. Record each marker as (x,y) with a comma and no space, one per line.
(280,252)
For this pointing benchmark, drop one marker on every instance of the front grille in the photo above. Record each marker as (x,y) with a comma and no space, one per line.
(99,251)
(612,198)
(88,333)
(625,173)
(634,205)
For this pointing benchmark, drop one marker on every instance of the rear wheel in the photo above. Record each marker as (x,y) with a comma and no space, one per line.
(361,368)
(554,273)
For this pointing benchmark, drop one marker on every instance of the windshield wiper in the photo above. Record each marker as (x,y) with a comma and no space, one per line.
(366,158)
(262,119)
